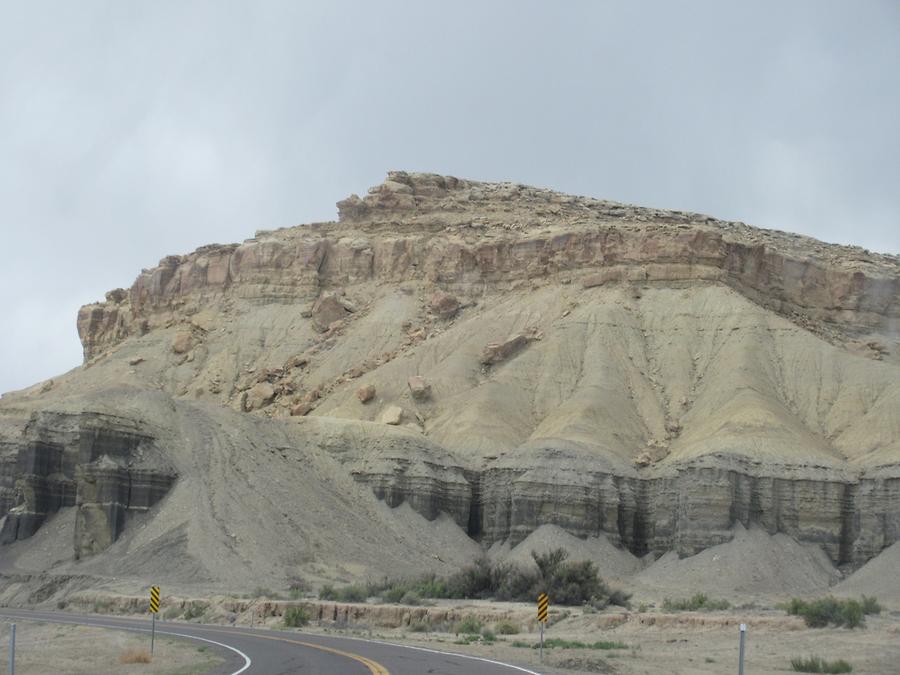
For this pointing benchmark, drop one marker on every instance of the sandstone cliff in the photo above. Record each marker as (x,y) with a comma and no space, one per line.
(495,356)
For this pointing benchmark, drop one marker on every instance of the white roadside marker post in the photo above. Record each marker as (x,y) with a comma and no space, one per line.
(741,661)
(12,649)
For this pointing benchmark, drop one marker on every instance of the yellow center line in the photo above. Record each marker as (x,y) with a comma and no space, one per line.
(374,667)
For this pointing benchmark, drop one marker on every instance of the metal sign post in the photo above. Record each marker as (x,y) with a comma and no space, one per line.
(741,660)
(543,608)
(154,609)
(12,649)
(542,641)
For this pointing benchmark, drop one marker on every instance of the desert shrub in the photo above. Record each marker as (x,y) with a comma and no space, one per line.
(815,664)
(61,604)
(699,602)
(470,626)
(488,635)
(576,583)
(507,628)
(474,581)
(567,583)
(517,584)
(394,594)
(263,592)
(870,605)
(298,587)
(828,611)
(411,598)
(351,593)
(549,563)
(135,655)
(296,617)
(171,613)
(419,626)
(559,643)
(620,598)
(194,611)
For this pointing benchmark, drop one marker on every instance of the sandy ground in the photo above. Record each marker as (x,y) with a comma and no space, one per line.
(43,648)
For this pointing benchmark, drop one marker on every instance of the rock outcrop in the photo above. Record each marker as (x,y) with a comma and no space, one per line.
(87,461)
(498,236)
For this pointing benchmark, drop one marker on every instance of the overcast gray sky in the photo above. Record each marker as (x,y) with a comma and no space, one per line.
(130,131)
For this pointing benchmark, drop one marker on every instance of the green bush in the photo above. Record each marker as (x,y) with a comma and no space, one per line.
(567,583)
(352,593)
(194,611)
(470,626)
(296,617)
(829,611)
(815,664)
(559,643)
(507,628)
(620,598)
(488,635)
(699,602)
(419,627)
(870,605)
(298,587)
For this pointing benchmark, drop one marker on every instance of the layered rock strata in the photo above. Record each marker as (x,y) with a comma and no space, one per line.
(469,236)
(89,464)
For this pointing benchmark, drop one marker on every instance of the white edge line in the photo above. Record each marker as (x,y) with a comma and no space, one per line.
(247,660)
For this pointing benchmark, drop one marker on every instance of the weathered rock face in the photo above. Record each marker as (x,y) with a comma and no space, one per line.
(694,509)
(79,460)
(431,232)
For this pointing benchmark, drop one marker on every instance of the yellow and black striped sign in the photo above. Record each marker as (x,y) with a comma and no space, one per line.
(543,607)
(154,599)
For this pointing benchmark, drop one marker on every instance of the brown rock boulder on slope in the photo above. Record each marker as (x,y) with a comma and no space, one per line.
(496,352)
(182,342)
(327,312)
(419,388)
(366,393)
(259,396)
(443,305)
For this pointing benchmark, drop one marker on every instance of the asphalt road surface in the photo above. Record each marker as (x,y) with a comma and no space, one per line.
(250,651)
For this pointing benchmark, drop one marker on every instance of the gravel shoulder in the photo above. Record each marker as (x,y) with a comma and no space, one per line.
(43,648)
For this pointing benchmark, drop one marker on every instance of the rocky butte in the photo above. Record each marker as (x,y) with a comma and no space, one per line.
(451,365)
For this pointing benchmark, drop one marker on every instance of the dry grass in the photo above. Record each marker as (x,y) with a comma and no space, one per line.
(134,655)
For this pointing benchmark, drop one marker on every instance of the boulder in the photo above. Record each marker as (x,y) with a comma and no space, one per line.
(419,388)
(366,393)
(182,342)
(391,415)
(496,352)
(443,305)
(301,409)
(326,311)
(259,396)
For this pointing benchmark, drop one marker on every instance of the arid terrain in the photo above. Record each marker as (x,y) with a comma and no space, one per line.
(457,368)
(43,648)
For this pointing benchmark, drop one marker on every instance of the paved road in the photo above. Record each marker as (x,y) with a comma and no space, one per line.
(267,652)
